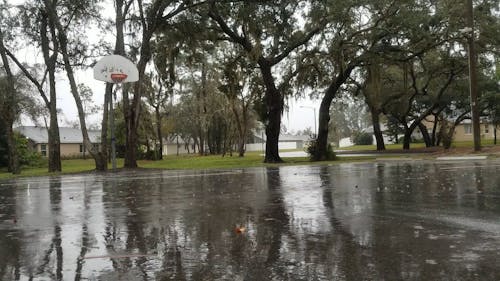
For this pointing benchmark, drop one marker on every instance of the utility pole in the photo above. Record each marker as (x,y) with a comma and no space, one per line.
(473,77)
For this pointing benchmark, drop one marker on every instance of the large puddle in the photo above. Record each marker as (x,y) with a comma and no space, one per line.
(373,221)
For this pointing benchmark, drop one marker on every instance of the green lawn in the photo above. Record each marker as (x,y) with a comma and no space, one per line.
(471,143)
(251,159)
(412,145)
(374,147)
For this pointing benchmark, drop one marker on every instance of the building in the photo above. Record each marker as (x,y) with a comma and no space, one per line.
(71,140)
(178,145)
(463,131)
(286,141)
(257,142)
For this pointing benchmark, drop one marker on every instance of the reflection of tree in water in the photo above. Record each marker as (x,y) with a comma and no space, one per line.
(10,238)
(194,235)
(85,243)
(172,265)
(276,222)
(347,254)
(56,244)
(479,179)
(138,222)
(135,226)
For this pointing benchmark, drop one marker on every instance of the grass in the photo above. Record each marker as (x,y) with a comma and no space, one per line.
(471,143)
(173,162)
(413,145)
(68,167)
(251,159)
(181,162)
(374,147)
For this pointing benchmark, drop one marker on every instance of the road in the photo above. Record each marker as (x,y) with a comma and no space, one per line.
(418,220)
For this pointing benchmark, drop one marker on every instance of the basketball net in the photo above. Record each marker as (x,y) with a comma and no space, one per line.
(118,77)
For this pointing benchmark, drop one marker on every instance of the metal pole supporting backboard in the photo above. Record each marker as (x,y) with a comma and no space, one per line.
(112,125)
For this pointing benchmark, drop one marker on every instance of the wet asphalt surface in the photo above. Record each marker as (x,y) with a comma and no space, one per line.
(366,221)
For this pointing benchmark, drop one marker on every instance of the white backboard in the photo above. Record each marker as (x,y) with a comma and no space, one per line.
(115,64)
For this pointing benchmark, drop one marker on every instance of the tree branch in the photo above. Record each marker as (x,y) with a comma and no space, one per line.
(243,41)
(30,77)
(294,46)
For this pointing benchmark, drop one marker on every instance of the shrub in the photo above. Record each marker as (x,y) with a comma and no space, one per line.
(28,157)
(412,140)
(311,150)
(362,138)
(146,155)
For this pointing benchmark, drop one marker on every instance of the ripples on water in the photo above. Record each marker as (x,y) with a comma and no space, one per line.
(375,221)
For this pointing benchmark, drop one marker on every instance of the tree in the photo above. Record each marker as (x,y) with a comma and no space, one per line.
(37,27)
(349,116)
(150,18)
(8,107)
(269,33)
(157,95)
(241,91)
(430,79)
(353,32)
(380,90)
(122,9)
(75,15)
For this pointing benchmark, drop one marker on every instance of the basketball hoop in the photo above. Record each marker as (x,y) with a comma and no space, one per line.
(118,77)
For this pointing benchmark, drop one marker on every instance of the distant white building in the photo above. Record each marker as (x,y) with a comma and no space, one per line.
(286,141)
(177,145)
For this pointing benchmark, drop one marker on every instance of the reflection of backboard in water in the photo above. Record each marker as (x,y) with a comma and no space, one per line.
(115,69)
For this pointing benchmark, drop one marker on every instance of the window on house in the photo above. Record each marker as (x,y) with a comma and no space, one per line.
(468,129)
(43,149)
(486,129)
(82,149)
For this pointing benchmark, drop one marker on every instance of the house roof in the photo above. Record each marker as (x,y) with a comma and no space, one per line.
(67,135)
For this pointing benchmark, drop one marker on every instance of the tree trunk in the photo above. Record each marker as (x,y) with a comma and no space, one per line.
(376,128)
(322,138)
(121,10)
(100,161)
(425,135)
(434,140)
(272,115)
(108,99)
(158,133)
(321,152)
(495,135)
(407,138)
(201,112)
(241,149)
(241,125)
(9,114)
(149,23)
(448,137)
(54,155)
(177,144)
(54,145)
(134,109)
(243,137)
(14,167)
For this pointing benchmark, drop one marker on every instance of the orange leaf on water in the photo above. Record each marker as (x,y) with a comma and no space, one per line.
(239,229)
